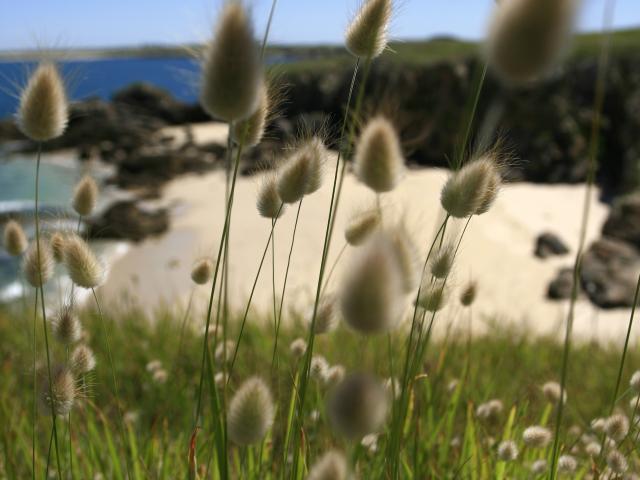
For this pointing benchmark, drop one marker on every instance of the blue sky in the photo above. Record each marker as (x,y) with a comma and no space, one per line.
(94,23)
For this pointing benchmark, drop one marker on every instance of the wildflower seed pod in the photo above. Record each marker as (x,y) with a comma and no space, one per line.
(249,131)
(551,391)
(378,161)
(528,37)
(366,36)
(43,112)
(373,297)
(319,368)
(592,449)
(617,426)
(442,262)
(15,240)
(472,189)
(357,406)
(38,267)
(433,296)
(251,412)
(536,436)
(202,271)
(82,360)
(567,464)
(85,196)
(56,241)
(508,451)
(326,315)
(617,462)
(61,392)
(269,203)
(82,265)
(66,326)
(468,295)
(331,466)
(298,348)
(301,174)
(231,71)
(361,226)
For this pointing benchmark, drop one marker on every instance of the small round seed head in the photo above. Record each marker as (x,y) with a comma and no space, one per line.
(38,268)
(15,240)
(56,241)
(635,381)
(357,406)
(83,267)
(442,262)
(231,72)
(331,466)
(61,392)
(319,368)
(66,326)
(539,467)
(251,412)
(617,462)
(378,161)
(634,403)
(202,271)
(43,112)
(82,360)
(249,131)
(335,375)
(508,451)
(366,36)
(536,436)
(490,410)
(472,189)
(298,348)
(224,351)
(433,296)
(361,226)
(85,196)
(551,391)
(326,315)
(469,293)
(373,296)
(220,379)
(301,173)
(598,424)
(269,203)
(592,449)
(528,37)
(617,426)
(153,365)
(567,464)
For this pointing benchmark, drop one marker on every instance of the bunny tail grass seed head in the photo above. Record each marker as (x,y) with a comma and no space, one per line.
(15,240)
(536,436)
(468,295)
(231,70)
(567,464)
(269,203)
(367,34)
(38,269)
(617,462)
(617,426)
(551,391)
(361,226)
(331,466)
(249,131)
(634,382)
(326,315)
(378,161)
(202,271)
(82,360)
(56,240)
(433,296)
(43,112)
(372,297)
(357,406)
(83,267)
(301,173)
(66,326)
(472,189)
(61,392)
(85,196)
(251,412)
(508,451)
(442,262)
(528,37)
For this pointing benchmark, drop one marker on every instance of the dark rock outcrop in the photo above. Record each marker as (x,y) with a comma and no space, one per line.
(624,220)
(561,286)
(128,220)
(548,244)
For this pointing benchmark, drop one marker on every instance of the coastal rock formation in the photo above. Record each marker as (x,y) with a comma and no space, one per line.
(548,244)
(561,286)
(129,220)
(624,220)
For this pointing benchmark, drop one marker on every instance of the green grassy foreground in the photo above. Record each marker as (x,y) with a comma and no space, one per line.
(445,437)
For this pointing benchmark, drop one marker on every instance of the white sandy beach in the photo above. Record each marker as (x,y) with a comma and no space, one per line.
(497,250)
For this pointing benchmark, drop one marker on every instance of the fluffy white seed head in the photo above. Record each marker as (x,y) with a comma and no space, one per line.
(331,466)
(224,351)
(361,226)
(433,296)
(319,368)
(326,315)
(301,173)
(56,240)
(335,375)
(202,271)
(43,112)
(269,203)
(635,381)
(528,37)
(551,391)
(249,131)
(539,467)
(82,360)
(490,410)
(373,296)
(251,412)
(366,36)
(567,464)
(592,449)
(298,348)
(38,267)
(617,426)
(15,240)
(378,161)
(231,72)
(441,262)
(61,392)
(536,436)
(84,269)
(472,189)
(508,451)
(468,295)
(66,326)
(617,462)
(357,406)
(85,196)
